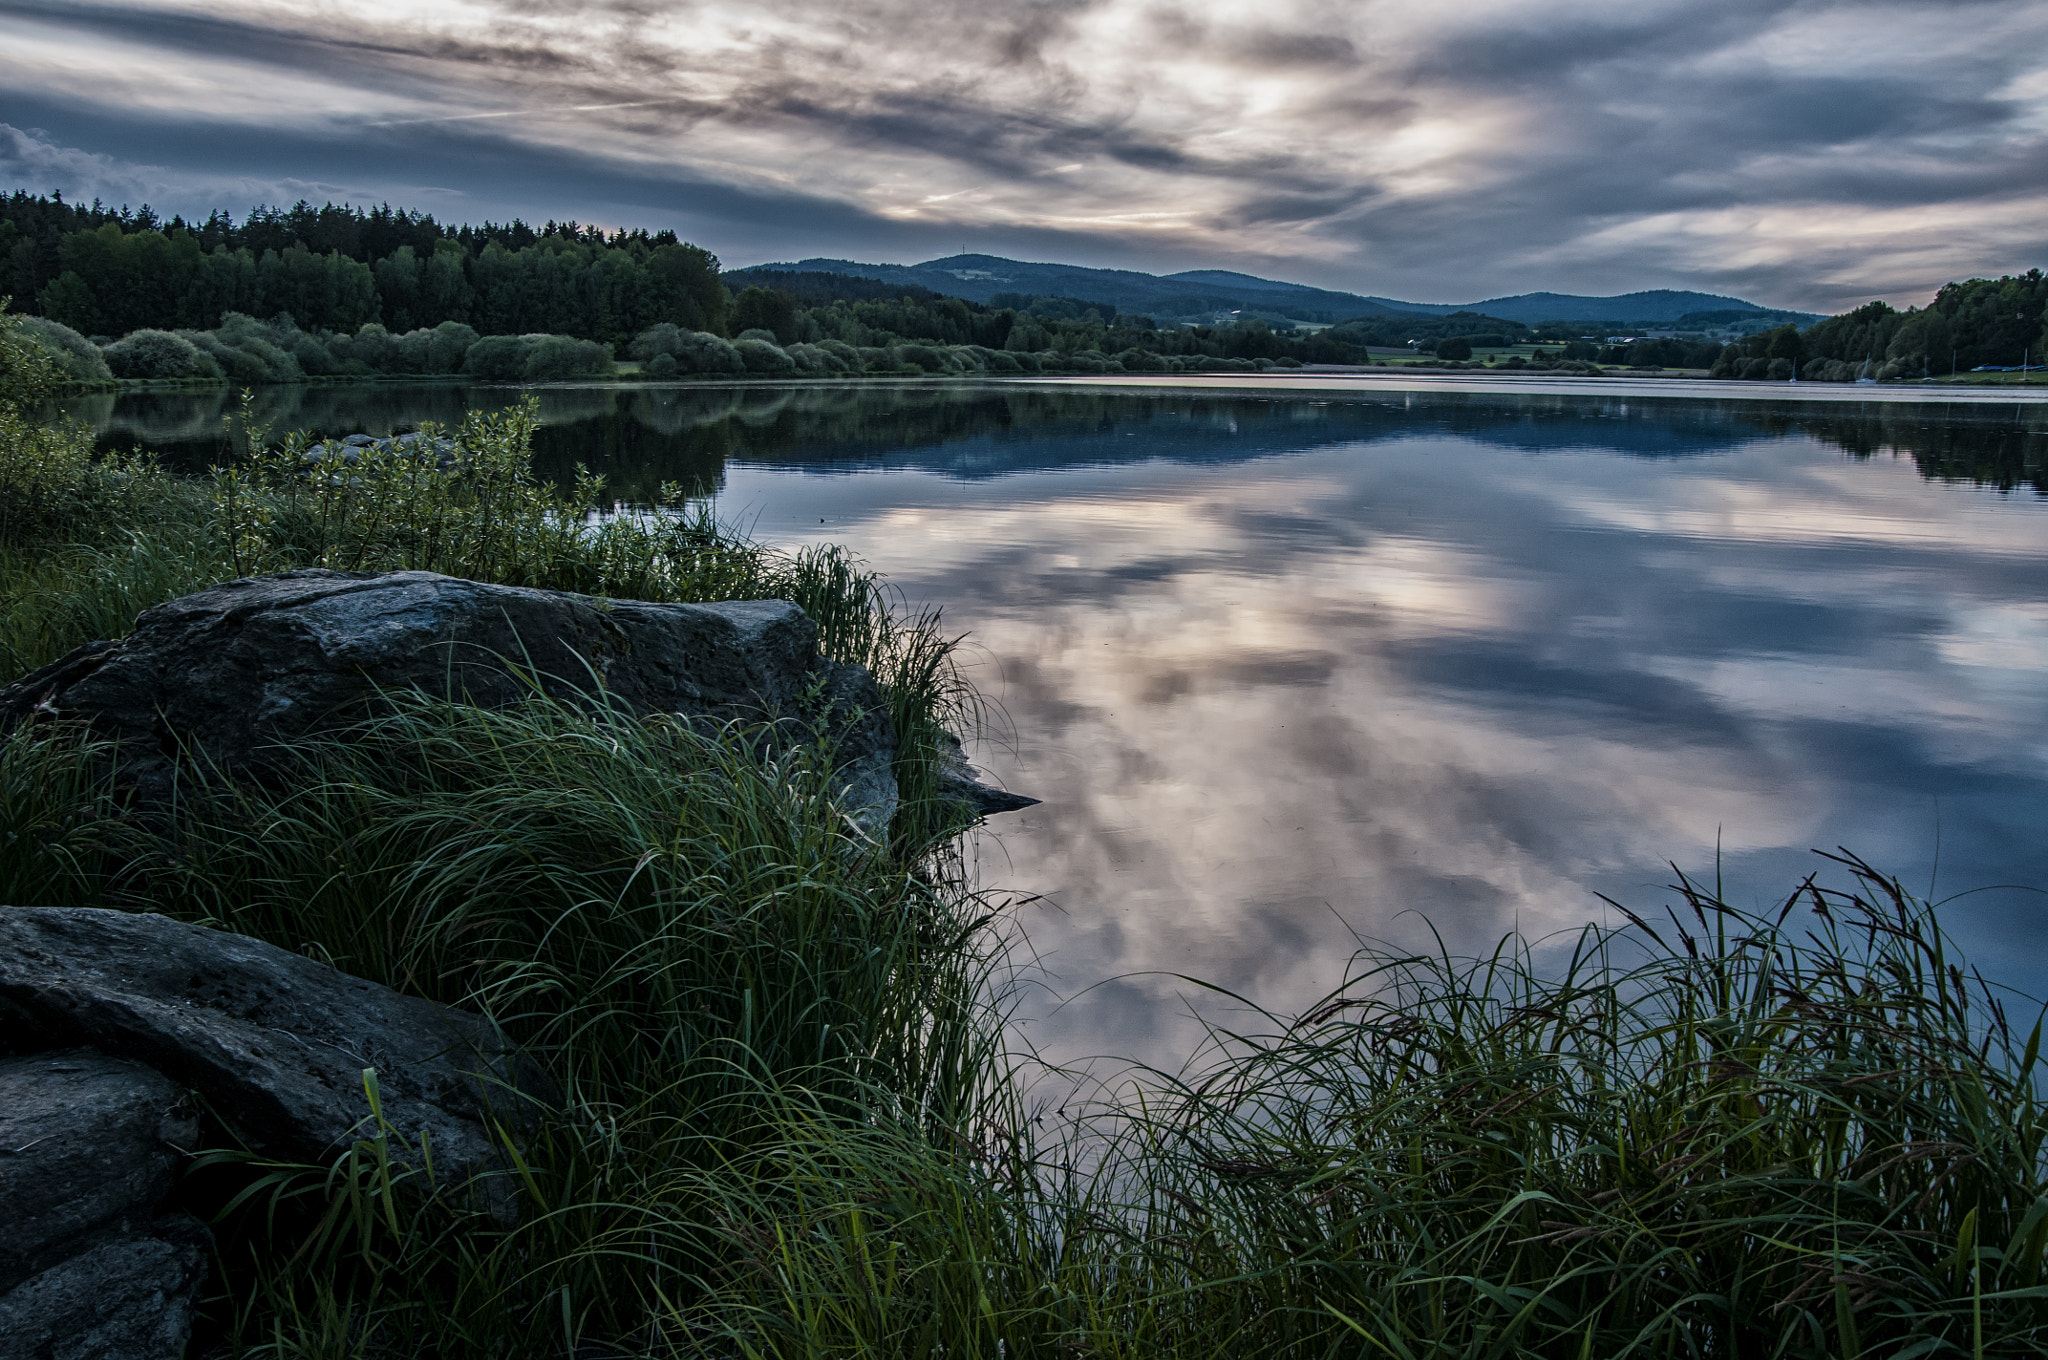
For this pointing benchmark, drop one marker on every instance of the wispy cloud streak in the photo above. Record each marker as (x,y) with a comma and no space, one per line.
(1806,154)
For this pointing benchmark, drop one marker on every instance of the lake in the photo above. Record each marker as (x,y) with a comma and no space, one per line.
(1296,664)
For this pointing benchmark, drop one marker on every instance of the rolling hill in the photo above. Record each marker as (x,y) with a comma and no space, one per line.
(1211,294)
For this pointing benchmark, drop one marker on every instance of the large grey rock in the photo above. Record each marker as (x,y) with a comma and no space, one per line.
(276,1043)
(125,1299)
(89,1146)
(233,670)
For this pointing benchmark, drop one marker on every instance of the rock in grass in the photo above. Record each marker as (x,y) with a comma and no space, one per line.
(89,1147)
(129,1298)
(230,671)
(274,1042)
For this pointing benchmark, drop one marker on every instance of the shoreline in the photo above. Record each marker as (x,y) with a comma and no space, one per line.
(1633,385)
(1315,379)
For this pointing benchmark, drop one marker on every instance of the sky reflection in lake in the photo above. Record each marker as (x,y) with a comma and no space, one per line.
(1286,669)
(1463,682)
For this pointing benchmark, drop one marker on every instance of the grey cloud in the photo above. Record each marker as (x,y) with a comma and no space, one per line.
(1285,207)
(1270,47)
(1180,32)
(1552,48)
(1603,117)
(1023,37)
(1362,110)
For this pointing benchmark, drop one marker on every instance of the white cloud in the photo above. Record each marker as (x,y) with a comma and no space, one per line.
(1814,155)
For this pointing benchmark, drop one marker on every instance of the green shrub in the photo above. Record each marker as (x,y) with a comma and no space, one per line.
(28,370)
(372,346)
(248,358)
(313,357)
(702,352)
(550,358)
(662,365)
(55,489)
(535,358)
(276,342)
(51,483)
(497,358)
(925,357)
(234,365)
(160,355)
(666,338)
(447,346)
(815,359)
(1833,370)
(693,351)
(847,355)
(764,357)
(410,350)
(77,358)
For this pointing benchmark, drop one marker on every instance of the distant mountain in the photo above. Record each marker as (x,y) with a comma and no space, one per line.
(1247,286)
(1659,304)
(978,278)
(1199,294)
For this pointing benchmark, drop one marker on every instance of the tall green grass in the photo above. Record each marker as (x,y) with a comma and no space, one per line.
(1808,1133)
(687,938)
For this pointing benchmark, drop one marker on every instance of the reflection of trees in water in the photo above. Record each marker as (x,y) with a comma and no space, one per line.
(640,437)
(636,443)
(184,428)
(988,431)
(2003,447)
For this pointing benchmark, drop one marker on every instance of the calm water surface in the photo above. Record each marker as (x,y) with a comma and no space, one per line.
(1290,668)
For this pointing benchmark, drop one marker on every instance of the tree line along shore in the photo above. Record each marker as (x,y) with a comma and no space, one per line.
(338,293)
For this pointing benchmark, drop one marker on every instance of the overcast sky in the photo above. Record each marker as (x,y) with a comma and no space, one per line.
(1807,155)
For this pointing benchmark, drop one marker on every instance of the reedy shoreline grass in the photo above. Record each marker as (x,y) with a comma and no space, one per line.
(785,1122)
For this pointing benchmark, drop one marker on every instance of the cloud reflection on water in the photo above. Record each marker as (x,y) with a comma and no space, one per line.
(1432,685)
